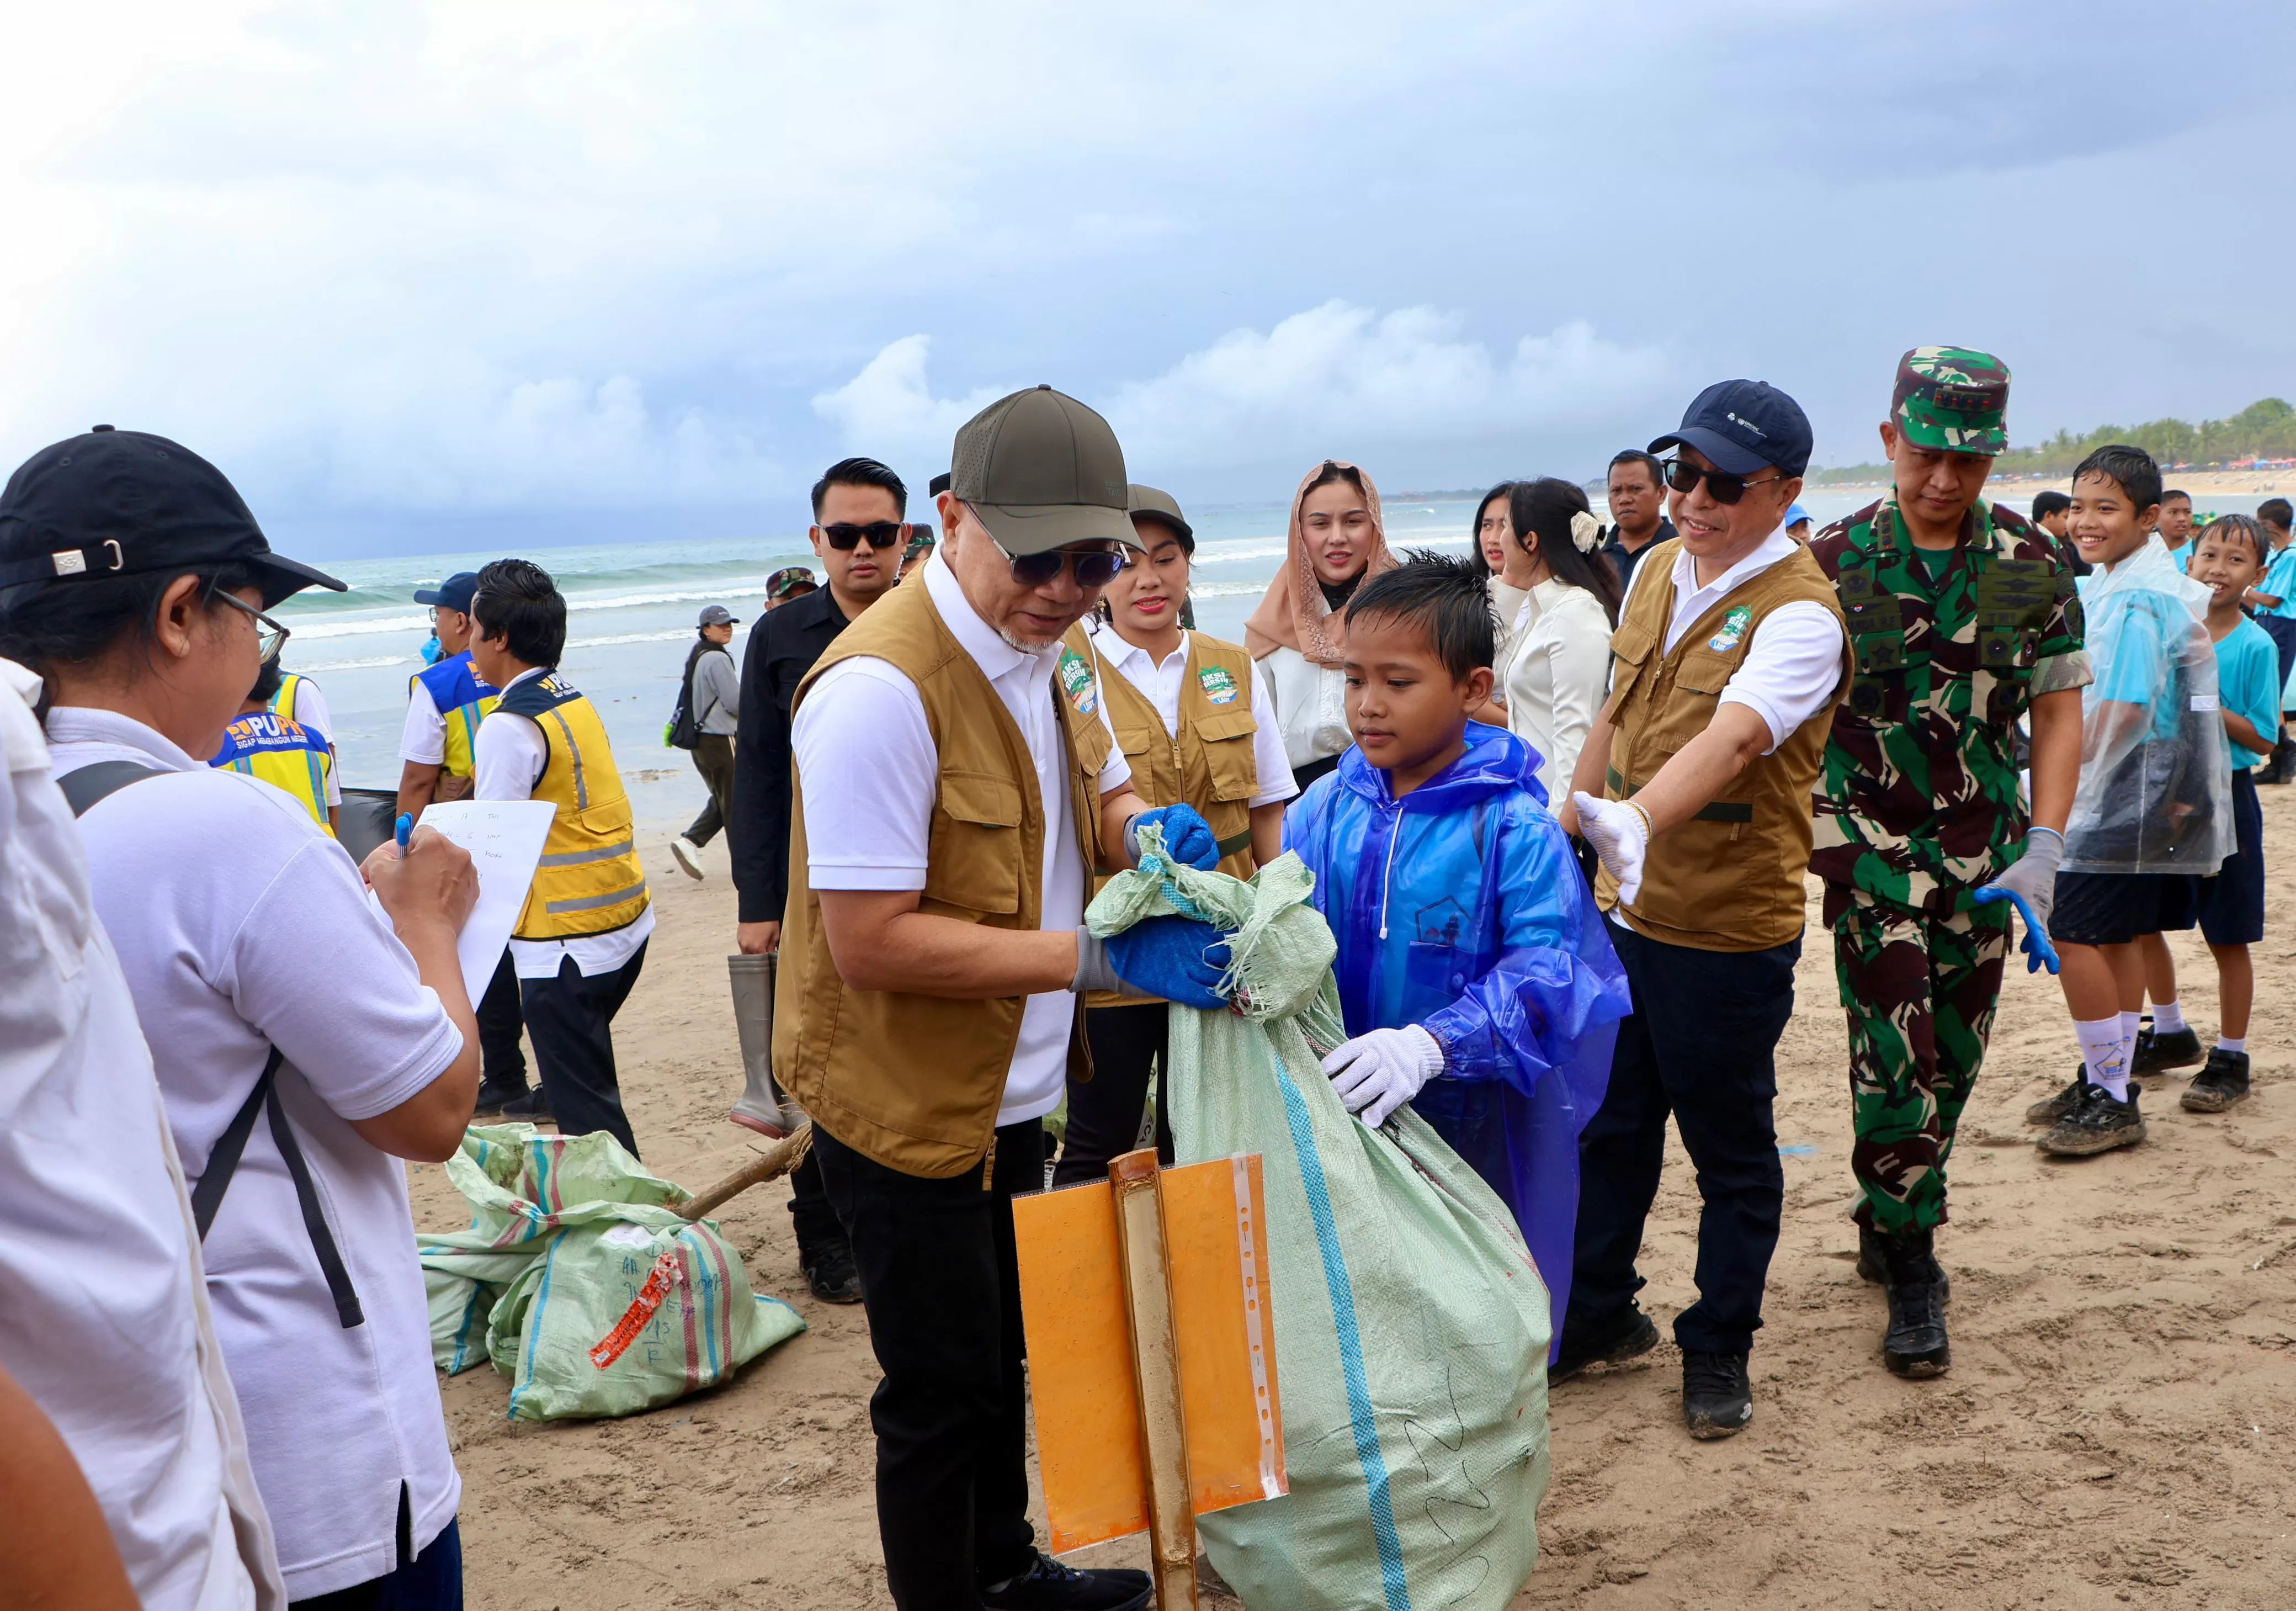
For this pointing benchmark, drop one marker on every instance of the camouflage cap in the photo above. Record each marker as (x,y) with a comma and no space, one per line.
(1954,398)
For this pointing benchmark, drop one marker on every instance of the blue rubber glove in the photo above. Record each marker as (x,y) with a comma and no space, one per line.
(1187,836)
(2030,884)
(1173,957)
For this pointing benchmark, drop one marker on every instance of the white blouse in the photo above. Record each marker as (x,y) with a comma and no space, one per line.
(1311,706)
(1556,673)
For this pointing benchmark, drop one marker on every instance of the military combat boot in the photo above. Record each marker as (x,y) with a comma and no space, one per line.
(1873,1264)
(1915,1347)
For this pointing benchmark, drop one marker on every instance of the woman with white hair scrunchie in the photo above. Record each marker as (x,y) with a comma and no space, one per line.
(1555,670)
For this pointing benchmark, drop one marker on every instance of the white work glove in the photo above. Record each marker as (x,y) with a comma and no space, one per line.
(1377,1073)
(1620,835)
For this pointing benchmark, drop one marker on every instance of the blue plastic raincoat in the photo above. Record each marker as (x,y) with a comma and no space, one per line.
(1460,907)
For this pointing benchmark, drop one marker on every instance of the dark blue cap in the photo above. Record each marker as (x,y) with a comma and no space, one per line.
(455,593)
(1743,426)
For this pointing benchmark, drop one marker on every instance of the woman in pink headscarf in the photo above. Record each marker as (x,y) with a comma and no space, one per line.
(1299,632)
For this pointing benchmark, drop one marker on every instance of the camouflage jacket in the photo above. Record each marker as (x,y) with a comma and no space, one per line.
(1917,802)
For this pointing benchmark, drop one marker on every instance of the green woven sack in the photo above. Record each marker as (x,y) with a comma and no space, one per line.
(1411,1326)
(578,1282)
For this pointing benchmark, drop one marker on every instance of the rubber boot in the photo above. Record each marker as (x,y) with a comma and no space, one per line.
(1916,1343)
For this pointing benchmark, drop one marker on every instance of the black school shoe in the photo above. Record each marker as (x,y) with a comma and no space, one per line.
(1049,1586)
(1717,1401)
(2097,1124)
(1873,1263)
(2223,1083)
(1628,1335)
(2157,1052)
(493,1098)
(830,1270)
(2048,1110)
(529,1107)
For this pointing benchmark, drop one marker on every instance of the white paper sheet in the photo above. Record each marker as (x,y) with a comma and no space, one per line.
(505,839)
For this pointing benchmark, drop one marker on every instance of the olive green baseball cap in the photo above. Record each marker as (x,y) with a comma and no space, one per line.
(1042,471)
(1952,398)
(1163,506)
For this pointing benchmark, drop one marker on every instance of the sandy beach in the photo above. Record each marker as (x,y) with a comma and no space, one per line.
(2119,1426)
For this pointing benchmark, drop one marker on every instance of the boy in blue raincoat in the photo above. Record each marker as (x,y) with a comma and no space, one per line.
(1476,977)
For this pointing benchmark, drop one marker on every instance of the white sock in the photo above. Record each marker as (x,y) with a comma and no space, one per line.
(2130,1024)
(2105,1049)
(2228,1043)
(2167,1018)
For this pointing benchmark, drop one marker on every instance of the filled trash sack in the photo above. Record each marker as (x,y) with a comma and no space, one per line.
(1411,1325)
(578,1281)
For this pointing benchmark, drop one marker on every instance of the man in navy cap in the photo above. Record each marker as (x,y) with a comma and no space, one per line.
(1694,789)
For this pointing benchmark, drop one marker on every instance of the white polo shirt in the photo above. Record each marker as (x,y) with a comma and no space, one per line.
(422,738)
(508,760)
(1790,669)
(104,1310)
(239,925)
(871,774)
(1162,685)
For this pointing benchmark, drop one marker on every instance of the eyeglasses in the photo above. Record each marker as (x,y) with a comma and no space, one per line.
(269,635)
(1723,487)
(881,534)
(1092,567)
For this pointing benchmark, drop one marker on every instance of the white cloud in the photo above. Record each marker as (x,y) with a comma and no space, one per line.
(1336,378)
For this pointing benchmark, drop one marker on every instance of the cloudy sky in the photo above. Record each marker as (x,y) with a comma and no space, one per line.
(577,271)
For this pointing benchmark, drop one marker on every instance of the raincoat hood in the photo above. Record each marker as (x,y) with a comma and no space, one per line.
(1293,616)
(1493,761)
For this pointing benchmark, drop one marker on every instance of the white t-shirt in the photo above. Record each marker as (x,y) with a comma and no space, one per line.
(871,774)
(311,714)
(507,759)
(424,739)
(104,1311)
(1311,706)
(240,927)
(1162,684)
(1795,662)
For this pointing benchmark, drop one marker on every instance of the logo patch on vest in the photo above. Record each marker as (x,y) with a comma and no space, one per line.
(1218,686)
(1077,683)
(1734,628)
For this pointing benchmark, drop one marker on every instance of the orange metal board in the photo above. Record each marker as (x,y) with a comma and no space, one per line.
(1215,1237)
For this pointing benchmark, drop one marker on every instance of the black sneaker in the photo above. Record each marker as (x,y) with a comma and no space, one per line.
(830,1270)
(1717,1401)
(1049,1586)
(1872,1263)
(2050,1109)
(531,1108)
(494,1097)
(1628,1335)
(2223,1083)
(1915,1347)
(2156,1051)
(2097,1124)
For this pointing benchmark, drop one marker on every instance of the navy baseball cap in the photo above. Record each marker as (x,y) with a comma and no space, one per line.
(124,503)
(1743,426)
(455,593)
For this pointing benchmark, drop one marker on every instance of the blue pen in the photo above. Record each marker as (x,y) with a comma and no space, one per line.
(406,831)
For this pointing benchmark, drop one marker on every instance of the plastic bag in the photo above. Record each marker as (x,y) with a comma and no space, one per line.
(2155,792)
(578,1280)
(1411,1326)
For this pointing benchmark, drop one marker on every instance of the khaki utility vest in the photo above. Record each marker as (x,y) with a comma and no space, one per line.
(1730,879)
(912,1080)
(1209,763)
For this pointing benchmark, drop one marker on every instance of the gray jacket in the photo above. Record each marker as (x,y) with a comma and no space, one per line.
(717,694)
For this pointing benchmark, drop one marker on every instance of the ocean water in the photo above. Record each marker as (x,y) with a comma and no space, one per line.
(631,613)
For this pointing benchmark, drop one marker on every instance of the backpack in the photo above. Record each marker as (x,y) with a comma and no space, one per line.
(683,730)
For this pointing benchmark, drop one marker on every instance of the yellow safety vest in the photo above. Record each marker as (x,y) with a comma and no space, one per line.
(589,881)
(463,699)
(282,753)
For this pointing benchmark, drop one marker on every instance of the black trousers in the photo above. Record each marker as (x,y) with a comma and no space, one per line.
(940,1282)
(571,1020)
(502,1059)
(812,1215)
(713,758)
(1700,1045)
(1104,1111)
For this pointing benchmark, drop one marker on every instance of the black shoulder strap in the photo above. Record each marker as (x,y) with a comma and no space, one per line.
(223,1163)
(84,787)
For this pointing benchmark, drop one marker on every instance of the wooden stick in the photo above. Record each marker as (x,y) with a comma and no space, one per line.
(787,1153)
(1156,1378)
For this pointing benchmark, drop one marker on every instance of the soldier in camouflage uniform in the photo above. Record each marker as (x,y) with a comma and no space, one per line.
(1962,619)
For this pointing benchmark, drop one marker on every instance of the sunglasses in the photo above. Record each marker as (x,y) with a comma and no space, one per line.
(881,534)
(1722,485)
(270,637)
(1092,567)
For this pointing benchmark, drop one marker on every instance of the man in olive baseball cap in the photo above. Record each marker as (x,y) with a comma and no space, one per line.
(1041,471)
(120,503)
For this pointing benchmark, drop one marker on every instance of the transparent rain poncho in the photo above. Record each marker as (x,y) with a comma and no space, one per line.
(2155,791)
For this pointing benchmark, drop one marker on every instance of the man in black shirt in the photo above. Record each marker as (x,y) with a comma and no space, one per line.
(859,533)
(1637,514)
